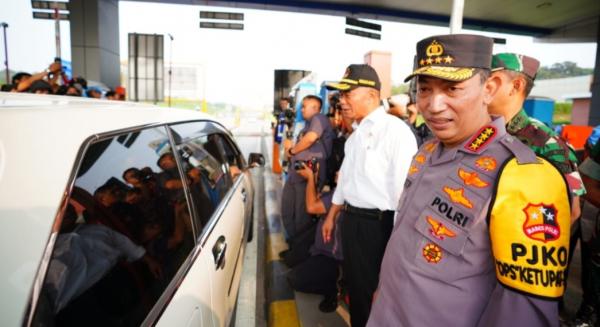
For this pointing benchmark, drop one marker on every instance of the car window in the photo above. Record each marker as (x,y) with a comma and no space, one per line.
(230,155)
(206,169)
(125,233)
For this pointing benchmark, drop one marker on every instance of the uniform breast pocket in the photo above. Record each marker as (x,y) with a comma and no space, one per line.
(440,252)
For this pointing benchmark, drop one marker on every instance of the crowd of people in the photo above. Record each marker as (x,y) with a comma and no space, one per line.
(53,80)
(470,219)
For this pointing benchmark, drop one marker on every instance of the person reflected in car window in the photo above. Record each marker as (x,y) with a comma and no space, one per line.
(83,255)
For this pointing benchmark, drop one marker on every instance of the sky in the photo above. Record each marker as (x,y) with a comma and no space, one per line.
(239,64)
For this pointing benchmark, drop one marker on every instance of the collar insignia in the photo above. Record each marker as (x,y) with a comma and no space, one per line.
(481,139)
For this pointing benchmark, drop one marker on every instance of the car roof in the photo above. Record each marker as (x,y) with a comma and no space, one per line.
(40,137)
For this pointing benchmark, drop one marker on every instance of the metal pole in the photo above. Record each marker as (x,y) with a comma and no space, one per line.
(57,31)
(155,58)
(204,106)
(457,16)
(135,65)
(170,67)
(4,26)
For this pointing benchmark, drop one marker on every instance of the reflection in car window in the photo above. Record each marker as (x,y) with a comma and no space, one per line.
(207,174)
(124,234)
(230,155)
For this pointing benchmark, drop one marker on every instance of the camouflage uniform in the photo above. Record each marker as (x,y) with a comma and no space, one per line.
(535,134)
(546,143)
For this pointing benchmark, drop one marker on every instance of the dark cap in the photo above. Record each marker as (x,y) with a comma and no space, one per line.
(355,76)
(452,57)
(40,85)
(516,62)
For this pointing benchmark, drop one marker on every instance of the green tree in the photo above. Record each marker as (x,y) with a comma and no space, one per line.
(562,69)
(400,88)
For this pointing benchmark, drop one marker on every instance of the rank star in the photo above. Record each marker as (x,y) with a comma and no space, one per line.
(429,61)
(448,60)
(422,62)
(438,60)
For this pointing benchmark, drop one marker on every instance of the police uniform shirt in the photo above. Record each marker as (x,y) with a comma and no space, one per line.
(320,149)
(378,154)
(438,268)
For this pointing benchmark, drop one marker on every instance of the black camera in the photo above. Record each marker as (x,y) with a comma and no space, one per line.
(312,164)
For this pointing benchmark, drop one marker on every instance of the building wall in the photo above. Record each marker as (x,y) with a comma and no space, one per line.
(581,112)
(382,62)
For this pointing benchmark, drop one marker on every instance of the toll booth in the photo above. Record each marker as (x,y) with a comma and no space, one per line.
(324,95)
(301,90)
(540,108)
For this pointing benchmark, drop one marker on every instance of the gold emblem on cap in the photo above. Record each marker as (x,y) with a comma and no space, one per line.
(434,49)
(434,52)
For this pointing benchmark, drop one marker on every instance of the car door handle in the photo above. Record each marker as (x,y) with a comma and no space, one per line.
(218,251)
(244,195)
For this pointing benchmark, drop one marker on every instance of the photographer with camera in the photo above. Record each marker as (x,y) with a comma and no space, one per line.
(50,74)
(319,270)
(314,141)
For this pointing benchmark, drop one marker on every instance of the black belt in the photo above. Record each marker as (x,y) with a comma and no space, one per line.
(367,213)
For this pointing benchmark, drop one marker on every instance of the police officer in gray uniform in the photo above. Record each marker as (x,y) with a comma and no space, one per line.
(314,142)
(482,226)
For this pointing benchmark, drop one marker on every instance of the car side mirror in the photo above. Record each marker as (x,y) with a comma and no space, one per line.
(256,160)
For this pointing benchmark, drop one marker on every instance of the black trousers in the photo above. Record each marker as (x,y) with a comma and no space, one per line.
(364,239)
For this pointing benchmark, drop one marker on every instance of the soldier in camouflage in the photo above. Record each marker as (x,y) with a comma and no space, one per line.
(516,74)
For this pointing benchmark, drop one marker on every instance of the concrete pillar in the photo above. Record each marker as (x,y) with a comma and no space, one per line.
(595,103)
(95,40)
(382,63)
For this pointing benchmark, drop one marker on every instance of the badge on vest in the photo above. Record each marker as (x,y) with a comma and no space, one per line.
(413,170)
(432,253)
(540,223)
(486,163)
(471,178)
(439,230)
(458,196)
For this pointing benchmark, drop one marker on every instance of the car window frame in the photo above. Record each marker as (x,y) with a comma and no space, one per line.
(199,239)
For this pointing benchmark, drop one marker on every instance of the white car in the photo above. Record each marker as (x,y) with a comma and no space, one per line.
(119,214)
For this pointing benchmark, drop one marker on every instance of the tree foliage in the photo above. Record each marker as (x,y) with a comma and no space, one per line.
(400,88)
(562,69)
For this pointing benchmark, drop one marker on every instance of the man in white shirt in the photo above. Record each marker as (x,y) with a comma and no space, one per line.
(377,158)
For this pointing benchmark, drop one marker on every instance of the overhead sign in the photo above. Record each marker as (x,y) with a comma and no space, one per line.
(362,28)
(225,26)
(221,20)
(362,24)
(49,15)
(221,15)
(51,5)
(363,34)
